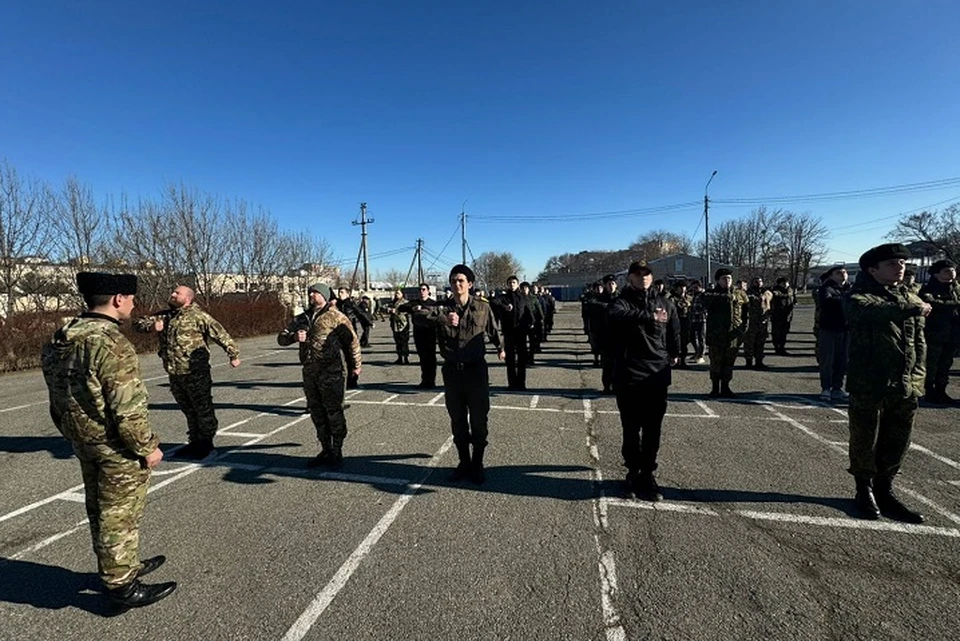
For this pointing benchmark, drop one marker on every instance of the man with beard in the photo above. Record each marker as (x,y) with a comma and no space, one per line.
(329,350)
(645,332)
(185,332)
(942,331)
(516,318)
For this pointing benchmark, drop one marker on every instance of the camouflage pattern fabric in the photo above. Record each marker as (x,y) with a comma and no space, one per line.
(684,304)
(194,394)
(758,311)
(99,403)
(184,341)
(880,431)
(331,350)
(723,356)
(400,326)
(726,323)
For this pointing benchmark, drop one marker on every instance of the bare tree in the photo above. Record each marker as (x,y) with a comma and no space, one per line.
(493,268)
(24,215)
(659,243)
(938,231)
(257,249)
(200,229)
(804,241)
(394,276)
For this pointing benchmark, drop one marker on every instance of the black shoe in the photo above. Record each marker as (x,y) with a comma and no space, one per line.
(715,389)
(399,361)
(725,391)
(749,362)
(607,390)
(890,506)
(647,488)
(866,503)
(138,595)
(630,485)
(195,451)
(477,474)
(321,459)
(149,565)
(761,365)
(460,472)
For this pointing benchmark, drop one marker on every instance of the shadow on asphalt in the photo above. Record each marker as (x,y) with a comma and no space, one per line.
(51,588)
(692,495)
(58,446)
(278,410)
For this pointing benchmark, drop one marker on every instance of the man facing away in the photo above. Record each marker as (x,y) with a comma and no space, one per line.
(886,376)
(645,331)
(99,403)
(463,321)
(184,332)
(329,350)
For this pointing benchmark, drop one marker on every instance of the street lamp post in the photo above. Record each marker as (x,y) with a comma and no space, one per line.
(706,223)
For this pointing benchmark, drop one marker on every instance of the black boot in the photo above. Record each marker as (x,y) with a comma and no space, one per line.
(715,391)
(749,360)
(477,475)
(647,488)
(462,470)
(149,565)
(630,484)
(138,595)
(406,360)
(890,506)
(866,504)
(323,458)
(725,391)
(399,361)
(760,364)
(196,450)
(336,454)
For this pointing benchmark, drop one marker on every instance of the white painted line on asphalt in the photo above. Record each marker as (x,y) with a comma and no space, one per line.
(20,407)
(76,497)
(40,503)
(49,540)
(238,434)
(606,562)
(806,430)
(934,455)
(784,517)
(226,429)
(325,597)
(706,410)
(787,517)
(387,400)
(534,401)
(931,504)
(433,401)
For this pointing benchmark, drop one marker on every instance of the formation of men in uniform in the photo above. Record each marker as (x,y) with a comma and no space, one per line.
(896,341)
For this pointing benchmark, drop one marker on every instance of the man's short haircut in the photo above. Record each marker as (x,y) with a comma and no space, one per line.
(509,278)
(97,300)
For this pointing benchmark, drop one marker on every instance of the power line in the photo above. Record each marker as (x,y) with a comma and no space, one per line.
(898,215)
(930,185)
(623,213)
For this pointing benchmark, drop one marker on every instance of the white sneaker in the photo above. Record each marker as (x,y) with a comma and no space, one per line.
(701,360)
(839,395)
(826,396)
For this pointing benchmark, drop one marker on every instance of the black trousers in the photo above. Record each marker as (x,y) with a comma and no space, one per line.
(781,329)
(467,397)
(515,346)
(642,406)
(425,340)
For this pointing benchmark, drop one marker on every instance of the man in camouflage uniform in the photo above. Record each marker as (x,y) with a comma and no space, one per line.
(99,403)
(885,378)
(400,326)
(329,350)
(781,314)
(910,280)
(683,303)
(185,332)
(726,325)
(758,309)
(942,332)
(462,323)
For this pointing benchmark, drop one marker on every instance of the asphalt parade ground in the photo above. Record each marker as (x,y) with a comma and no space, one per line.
(756,537)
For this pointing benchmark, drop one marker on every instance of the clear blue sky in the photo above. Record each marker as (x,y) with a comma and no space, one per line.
(537,109)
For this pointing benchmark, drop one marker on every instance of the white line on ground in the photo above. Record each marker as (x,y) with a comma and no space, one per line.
(325,597)
(75,497)
(238,434)
(782,517)
(20,407)
(705,408)
(433,401)
(40,503)
(387,400)
(934,455)
(534,400)
(49,540)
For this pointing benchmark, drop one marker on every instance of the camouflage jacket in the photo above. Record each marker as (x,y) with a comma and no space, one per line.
(331,341)
(726,316)
(759,305)
(399,319)
(887,347)
(184,341)
(943,323)
(683,305)
(784,300)
(96,395)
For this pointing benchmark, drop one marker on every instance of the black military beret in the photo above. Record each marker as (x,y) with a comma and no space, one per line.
(466,271)
(525,284)
(609,278)
(876,255)
(940,265)
(101,284)
(639,267)
(723,271)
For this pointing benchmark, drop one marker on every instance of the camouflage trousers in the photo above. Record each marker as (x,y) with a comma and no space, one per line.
(754,340)
(879,434)
(324,389)
(194,396)
(402,341)
(722,358)
(116,492)
(939,362)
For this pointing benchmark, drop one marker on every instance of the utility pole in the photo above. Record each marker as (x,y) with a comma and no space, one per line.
(419,260)
(363,222)
(706,224)
(463,233)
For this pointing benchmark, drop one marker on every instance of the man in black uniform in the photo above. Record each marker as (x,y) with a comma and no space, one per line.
(516,319)
(424,336)
(599,332)
(645,331)
(781,314)
(462,321)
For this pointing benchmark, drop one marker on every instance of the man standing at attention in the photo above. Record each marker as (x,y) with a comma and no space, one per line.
(400,326)
(943,328)
(99,403)
(424,337)
(833,342)
(886,376)
(516,318)
(726,324)
(463,322)
(758,309)
(781,314)
(329,350)
(645,330)
(185,332)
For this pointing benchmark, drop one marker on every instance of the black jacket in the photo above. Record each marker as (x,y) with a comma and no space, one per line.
(643,347)
(519,318)
(832,300)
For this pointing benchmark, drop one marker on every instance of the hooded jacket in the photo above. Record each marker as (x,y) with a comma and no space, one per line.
(887,347)
(642,347)
(96,395)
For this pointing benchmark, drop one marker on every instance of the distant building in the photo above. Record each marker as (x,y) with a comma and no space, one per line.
(685,267)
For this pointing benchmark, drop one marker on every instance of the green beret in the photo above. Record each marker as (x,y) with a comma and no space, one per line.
(104,284)
(876,255)
(321,288)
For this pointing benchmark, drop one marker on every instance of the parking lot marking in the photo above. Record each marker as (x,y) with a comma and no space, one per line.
(706,409)
(387,400)
(534,400)
(325,597)
(433,401)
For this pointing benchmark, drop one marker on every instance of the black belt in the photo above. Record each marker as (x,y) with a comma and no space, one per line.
(463,366)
